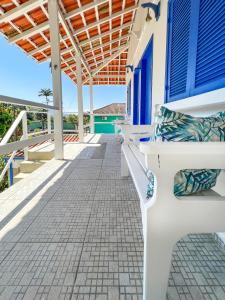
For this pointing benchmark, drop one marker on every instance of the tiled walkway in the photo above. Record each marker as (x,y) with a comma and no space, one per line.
(80,237)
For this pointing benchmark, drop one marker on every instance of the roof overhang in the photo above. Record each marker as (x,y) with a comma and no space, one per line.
(99,30)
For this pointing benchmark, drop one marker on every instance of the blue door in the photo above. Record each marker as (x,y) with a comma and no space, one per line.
(136,102)
(146,85)
(129,99)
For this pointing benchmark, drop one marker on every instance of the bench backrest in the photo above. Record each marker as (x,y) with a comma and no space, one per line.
(200,105)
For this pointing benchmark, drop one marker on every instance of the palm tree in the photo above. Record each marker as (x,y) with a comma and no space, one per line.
(46,93)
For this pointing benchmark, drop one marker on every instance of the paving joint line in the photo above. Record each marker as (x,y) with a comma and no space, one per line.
(83,243)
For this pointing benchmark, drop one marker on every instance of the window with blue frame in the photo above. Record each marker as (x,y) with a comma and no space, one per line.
(129,99)
(196,48)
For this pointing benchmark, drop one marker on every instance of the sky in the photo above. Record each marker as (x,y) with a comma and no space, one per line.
(22,77)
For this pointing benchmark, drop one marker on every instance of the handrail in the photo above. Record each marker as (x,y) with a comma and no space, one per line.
(71,130)
(24,141)
(38,133)
(7,166)
(36,112)
(21,102)
(12,128)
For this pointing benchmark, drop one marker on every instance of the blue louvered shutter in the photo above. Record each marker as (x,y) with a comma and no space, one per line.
(210,55)
(178,49)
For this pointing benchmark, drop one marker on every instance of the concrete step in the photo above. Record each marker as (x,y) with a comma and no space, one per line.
(41,152)
(16,171)
(20,176)
(30,165)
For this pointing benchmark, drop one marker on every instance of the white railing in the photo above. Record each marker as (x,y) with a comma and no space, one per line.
(27,139)
(7,137)
(76,130)
(21,102)
(7,166)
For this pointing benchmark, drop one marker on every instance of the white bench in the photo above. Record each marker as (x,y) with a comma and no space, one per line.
(166,218)
(117,127)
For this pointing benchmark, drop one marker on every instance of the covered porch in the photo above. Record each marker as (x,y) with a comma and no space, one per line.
(74,231)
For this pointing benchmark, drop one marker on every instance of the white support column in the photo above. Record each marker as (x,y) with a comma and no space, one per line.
(91,105)
(56,77)
(80,99)
(25,134)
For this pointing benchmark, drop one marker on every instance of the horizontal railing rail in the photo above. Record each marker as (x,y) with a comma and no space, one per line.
(21,102)
(27,139)
(38,132)
(19,145)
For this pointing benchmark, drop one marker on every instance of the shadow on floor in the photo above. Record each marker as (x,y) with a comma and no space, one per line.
(82,239)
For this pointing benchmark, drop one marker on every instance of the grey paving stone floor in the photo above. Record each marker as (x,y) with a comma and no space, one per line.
(83,240)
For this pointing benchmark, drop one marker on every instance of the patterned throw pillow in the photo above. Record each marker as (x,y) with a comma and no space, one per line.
(187,182)
(179,127)
(150,187)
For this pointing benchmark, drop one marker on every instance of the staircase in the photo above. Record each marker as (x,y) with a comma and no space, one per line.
(37,156)
(25,168)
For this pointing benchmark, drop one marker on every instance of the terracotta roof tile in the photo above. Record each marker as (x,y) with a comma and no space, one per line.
(94,26)
(112,109)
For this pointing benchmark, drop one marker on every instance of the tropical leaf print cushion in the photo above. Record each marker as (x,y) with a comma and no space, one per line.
(179,127)
(187,182)
(150,188)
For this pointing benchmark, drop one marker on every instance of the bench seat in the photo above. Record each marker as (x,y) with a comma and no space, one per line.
(166,218)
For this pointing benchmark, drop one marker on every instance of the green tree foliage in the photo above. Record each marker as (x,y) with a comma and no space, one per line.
(8,114)
(5,122)
(86,119)
(4,182)
(72,118)
(43,119)
(6,118)
(46,92)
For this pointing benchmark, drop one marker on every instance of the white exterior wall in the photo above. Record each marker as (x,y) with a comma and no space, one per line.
(158,29)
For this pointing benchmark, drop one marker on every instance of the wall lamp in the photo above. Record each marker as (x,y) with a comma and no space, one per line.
(154,7)
(129,67)
(137,69)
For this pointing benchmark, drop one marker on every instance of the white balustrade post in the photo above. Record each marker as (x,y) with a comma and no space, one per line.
(49,123)
(56,77)
(25,134)
(80,98)
(91,105)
